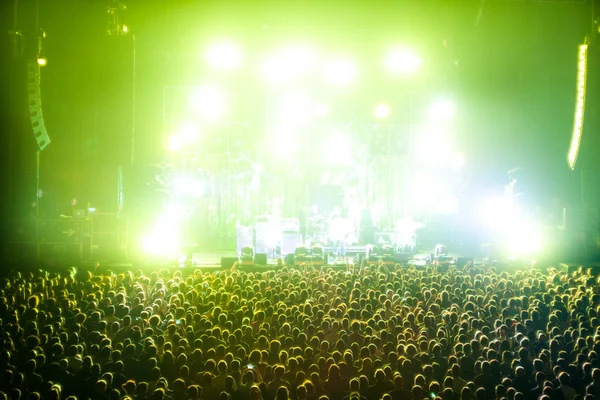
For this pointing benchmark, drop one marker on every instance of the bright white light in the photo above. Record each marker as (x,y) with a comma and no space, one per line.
(340,71)
(447,205)
(283,140)
(187,185)
(520,234)
(337,148)
(163,239)
(174,212)
(210,102)
(289,64)
(441,110)
(459,160)
(339,228)
(175,143)
(294,108)
(158,243)
(403,61)
(189,132)
(381,111)
(321,110)
(433,146)
(579,106)
(524,238)
(497,213)
(224,55)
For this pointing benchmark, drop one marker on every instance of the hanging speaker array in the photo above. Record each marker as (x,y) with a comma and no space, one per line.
(35,105)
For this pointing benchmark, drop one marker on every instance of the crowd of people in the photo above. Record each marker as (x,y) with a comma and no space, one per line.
(379,332)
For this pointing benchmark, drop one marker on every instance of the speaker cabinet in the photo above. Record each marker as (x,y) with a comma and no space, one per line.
(260,259)
(35,105)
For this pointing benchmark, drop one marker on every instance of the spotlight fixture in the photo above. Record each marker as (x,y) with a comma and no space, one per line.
(115,12)
(402,61)
(41,59)
(381,111)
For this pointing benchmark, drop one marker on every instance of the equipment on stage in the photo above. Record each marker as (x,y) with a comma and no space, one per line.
(440,251)
(247,256)
(260,259)
(244,237)
(372,254)
(335,236)
(263,233)
(314,256)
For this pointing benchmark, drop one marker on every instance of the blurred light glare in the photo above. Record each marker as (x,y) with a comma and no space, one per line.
(186,185)
(289,64)
(447,205)
(42,61)
(459,160)
(224,56)
(340,71)
(433,147)
(294,108)
(524,238)
(441,110)
(210,101)
(381,111)
(282,139)
(402,61)
(496,213)
(163,239)
(321,110)
(175,143)
(337,148)
(189,132)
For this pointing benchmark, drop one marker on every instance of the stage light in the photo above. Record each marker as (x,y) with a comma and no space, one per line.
(294,108)
(340,71)
(433,146)
(42,61)
(163,239)
(289,64)
(158,243)
(447,205)
(189,132)
(224,56)
(441,110)
(459,160)
(282,139)
(175,143)
(497,213)
(284,144)
(381,111)
(403,61)
(188,186)
(524,239)
(321,110)
(337,149)
(210,101)
(125,29)
(579,107)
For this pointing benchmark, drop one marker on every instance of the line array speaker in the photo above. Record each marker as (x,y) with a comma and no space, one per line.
(35,105)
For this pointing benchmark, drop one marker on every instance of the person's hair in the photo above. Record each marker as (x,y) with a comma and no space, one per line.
(282,393)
